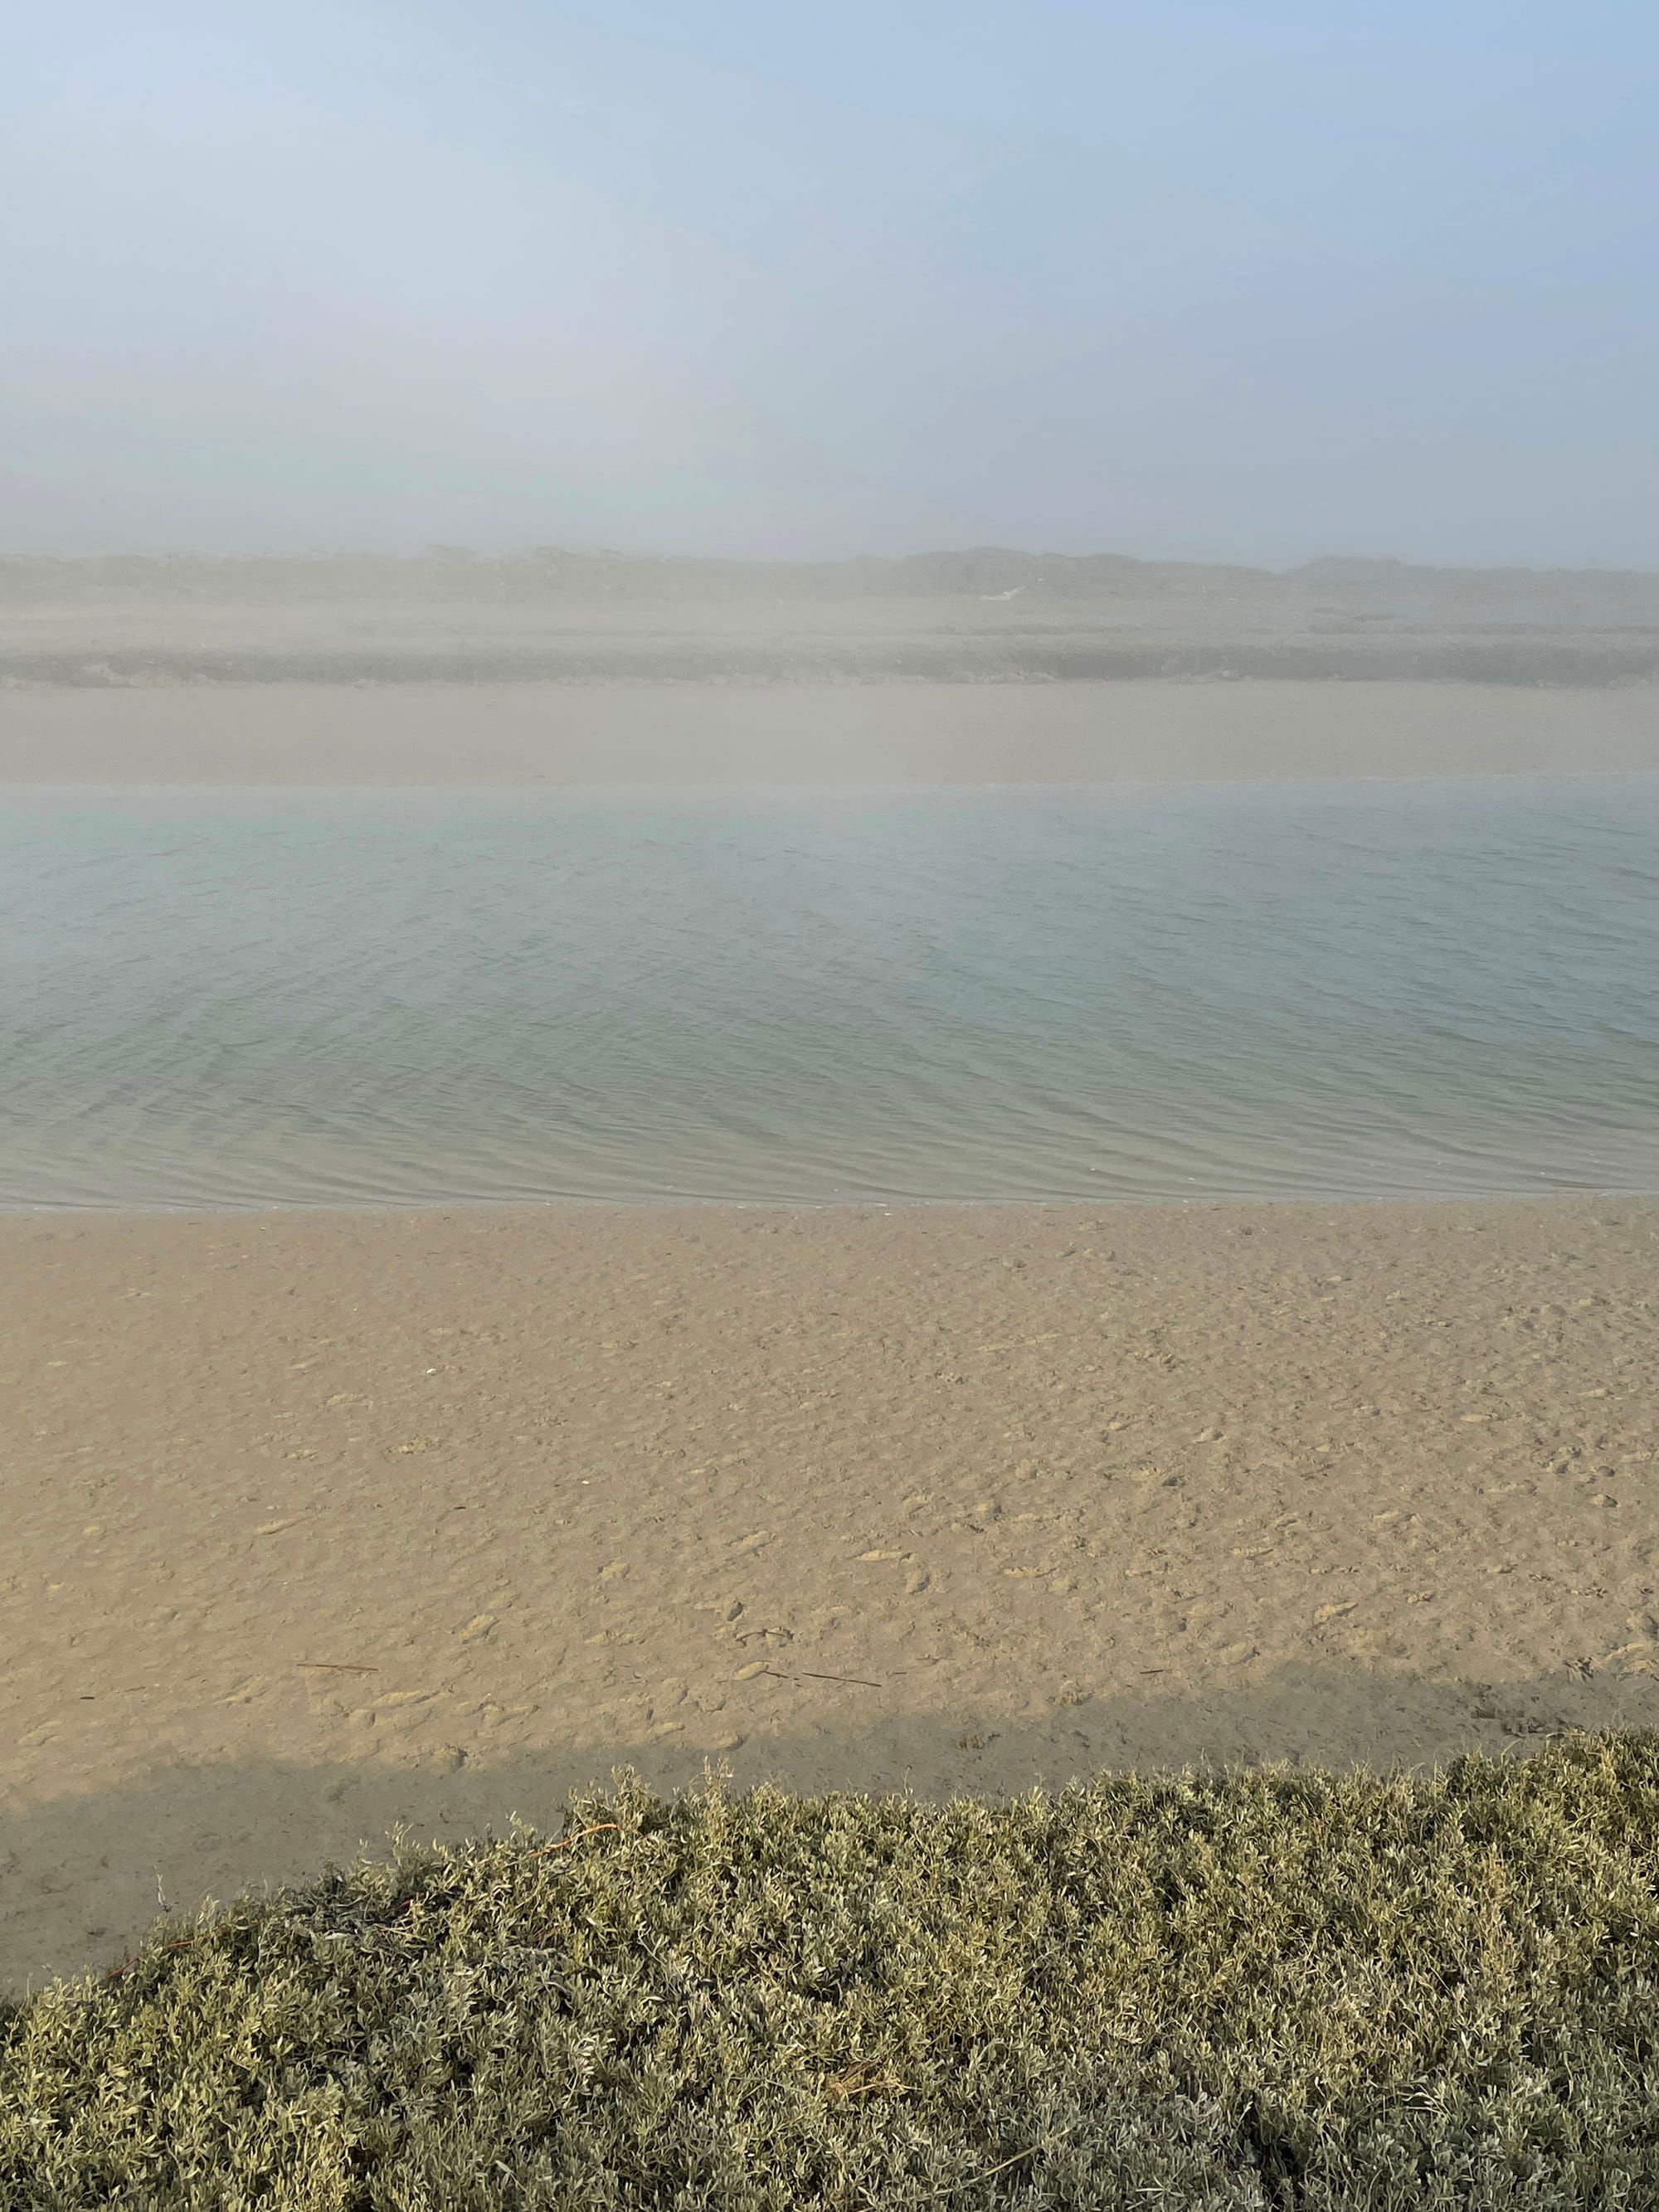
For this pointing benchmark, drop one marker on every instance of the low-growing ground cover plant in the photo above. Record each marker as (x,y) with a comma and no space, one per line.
(1275,1989)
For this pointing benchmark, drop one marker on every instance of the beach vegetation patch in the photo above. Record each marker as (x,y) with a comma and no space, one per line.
(1284,1987)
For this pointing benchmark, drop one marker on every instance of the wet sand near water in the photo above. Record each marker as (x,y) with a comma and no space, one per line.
(319,1523)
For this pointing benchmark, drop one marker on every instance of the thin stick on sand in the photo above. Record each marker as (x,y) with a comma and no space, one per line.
(854,1681)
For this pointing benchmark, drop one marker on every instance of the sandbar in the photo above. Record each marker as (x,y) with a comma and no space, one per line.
(656,735)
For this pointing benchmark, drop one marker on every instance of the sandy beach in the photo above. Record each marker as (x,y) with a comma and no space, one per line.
(319,1523)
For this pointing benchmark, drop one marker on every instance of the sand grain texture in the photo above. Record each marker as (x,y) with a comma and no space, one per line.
(316,1523)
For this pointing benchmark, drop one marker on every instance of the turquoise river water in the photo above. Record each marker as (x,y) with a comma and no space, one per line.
(248,999)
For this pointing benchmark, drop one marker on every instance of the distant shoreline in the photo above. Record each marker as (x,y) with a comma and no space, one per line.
(899,735)
(694,662)
(988,615)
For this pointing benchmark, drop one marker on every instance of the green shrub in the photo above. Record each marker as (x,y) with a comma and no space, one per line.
(1289,1989)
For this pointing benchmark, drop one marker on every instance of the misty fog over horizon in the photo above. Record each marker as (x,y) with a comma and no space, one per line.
(377,342)
(1212,286)
(114,565)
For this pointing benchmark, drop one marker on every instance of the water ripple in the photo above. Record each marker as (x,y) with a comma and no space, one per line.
(1250,991)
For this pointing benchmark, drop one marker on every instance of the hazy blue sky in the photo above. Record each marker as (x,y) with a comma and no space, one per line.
(1254,280)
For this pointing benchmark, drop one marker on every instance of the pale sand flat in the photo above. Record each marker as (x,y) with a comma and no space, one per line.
(863,734)
(944,1498)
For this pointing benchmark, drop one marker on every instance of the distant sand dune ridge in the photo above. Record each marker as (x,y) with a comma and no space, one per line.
(988,615)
